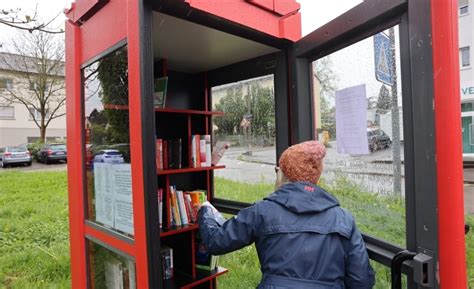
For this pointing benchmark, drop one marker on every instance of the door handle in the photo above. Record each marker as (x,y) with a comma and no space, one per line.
(396,267)
(423,270)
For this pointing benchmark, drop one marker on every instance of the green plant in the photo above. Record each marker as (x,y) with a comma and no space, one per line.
(34,148)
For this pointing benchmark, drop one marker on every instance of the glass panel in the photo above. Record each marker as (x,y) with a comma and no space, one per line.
(109,188)
(7,112)
(248,125)
(466,106)
(360,120)
(465,57)
(315,14)
(109,270)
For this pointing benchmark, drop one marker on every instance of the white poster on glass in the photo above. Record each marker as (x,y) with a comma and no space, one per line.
(113,196)
(351,120)
(104,197)
(123,198)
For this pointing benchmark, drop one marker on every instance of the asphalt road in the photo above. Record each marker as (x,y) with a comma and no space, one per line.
(37,167)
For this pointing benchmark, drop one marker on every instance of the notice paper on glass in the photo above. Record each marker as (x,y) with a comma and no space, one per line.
(104,197)
(123,198)
(351,120)
(113,196)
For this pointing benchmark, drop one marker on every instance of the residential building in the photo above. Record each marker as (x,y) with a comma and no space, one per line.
(466,45)
(17,125)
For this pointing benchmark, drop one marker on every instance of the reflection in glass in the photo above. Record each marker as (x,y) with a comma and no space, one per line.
(110,270)
(361,123)
(107,138)
(248,125)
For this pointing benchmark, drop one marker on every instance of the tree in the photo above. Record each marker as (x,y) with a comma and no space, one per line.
(39,77)
(384,101)
(233,106)
(323,71)
(27,22)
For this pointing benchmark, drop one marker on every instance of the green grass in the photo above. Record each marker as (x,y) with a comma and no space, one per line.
(34,246)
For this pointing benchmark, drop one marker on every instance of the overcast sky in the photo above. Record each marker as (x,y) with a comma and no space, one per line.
(352,69)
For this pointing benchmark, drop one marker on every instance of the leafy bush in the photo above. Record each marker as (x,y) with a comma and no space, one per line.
(34,148)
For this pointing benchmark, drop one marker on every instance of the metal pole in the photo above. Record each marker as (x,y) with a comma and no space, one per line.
(397,163)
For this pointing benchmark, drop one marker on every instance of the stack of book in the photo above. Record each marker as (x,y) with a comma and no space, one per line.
(183,206)
(167,262)
(200,151)
(168,154)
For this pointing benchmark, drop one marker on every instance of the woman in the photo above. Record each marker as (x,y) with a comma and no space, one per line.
(304,239)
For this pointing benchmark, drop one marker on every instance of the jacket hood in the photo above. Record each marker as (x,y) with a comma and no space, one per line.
(302,197)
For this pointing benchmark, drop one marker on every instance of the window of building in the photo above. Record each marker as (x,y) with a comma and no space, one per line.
(467,106)
(6,83)
(465,56)
(7,112)
(471,134)
(34,86)
(463,10)
(36,114)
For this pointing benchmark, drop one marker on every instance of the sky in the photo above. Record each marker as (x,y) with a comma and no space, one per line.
(351,69)
(314,12)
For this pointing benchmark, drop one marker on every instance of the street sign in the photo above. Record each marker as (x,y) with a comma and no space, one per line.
(383,59)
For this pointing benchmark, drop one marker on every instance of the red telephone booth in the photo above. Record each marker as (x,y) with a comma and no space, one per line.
(118,51)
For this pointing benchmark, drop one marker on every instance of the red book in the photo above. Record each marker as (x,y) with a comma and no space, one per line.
(188,209)
(159,154)
(165,154)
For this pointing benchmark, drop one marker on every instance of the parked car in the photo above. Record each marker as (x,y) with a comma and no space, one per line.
(50,152)
(14,155)
(109,156)
(378,139)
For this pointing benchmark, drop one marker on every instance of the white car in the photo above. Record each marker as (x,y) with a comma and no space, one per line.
(109,156)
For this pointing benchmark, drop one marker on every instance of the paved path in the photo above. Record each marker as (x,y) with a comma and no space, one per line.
(37,167)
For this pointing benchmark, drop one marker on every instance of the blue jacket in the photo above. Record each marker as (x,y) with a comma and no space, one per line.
(304,239)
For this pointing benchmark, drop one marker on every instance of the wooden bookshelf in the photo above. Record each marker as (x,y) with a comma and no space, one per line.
(185,281)
(178,230)
(189,111)
(188,114)
(188,170)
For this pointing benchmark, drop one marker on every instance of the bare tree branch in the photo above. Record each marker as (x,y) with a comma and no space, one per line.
(29,23)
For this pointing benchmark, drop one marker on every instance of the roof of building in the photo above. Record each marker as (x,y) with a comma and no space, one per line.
(20,63)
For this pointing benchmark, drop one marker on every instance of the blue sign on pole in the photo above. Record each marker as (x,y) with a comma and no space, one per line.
(383,59)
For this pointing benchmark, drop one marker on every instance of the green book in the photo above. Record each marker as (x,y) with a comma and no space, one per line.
(159,94)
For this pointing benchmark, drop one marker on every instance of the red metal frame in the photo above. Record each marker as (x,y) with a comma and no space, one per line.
(75,181)
(283,20)
(452,252)
(116,20)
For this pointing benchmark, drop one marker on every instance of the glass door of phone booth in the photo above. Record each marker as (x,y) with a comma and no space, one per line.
(362,85)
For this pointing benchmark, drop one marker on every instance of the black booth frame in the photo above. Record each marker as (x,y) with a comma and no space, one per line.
(292,72)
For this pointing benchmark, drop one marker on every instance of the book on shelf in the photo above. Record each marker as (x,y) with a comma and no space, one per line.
(218,152)
(195,151)
(164,154)
(159,154)
(160,207)
(167,262)
(168,154)
(160,90)
(207,138)
(174,153)
(205,150)
(204,260)
(182,208)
